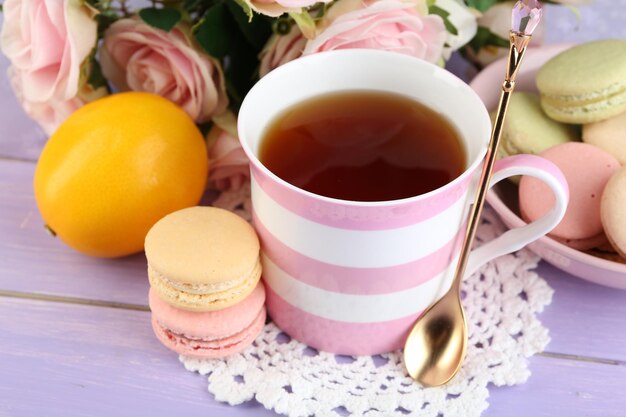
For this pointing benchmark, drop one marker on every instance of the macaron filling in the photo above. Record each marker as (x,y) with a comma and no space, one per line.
(604,94)
(196,288)
(572,107)
(209,300)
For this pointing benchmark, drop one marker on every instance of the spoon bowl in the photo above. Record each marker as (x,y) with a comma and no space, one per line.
(438,341)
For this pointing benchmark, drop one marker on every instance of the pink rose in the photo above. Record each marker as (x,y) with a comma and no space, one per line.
(139,57)
(281,49)
(50,114)
(275,8)
(229,172)
(229,169)
(47,42)
(391,25)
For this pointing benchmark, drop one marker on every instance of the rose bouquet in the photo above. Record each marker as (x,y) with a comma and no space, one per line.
(204,55)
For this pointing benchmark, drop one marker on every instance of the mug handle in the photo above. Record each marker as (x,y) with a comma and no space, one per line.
(515,239)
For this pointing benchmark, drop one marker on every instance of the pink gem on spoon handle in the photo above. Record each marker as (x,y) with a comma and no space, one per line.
(526,16)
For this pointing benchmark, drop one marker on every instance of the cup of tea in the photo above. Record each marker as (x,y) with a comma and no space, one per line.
(364,165)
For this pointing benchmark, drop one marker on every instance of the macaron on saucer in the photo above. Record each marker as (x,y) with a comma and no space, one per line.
(504,196)
(587,169)
(585,84)
(614,211)
(609,135)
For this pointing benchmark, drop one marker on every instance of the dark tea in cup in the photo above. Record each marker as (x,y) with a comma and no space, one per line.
(363,146)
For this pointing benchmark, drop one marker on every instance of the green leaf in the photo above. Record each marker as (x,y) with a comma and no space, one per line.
(256,31)
(105,19)
(246,9)
(191,4)
(96,78)
(450,27)
(164,19)
(305,22)
(212,31)
(320,11)
(241,71)
(481,5)
(220,36)
(444,15)
(434,9)
(484,37)
(205,128)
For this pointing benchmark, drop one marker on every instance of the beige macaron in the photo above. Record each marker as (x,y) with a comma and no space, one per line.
(203,258)
(609,135)
(613,211)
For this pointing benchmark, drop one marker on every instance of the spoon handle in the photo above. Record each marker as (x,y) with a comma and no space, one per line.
(519,43)
(435,346)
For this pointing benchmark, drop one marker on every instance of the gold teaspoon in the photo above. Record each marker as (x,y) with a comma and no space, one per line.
(436,345)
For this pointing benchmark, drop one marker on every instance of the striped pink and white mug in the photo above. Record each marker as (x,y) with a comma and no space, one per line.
(351,277)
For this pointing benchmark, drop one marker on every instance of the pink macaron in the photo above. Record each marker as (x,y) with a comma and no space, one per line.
(587,170)
(213,334)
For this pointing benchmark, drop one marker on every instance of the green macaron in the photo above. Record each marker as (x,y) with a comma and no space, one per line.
(528,130)
(586,83)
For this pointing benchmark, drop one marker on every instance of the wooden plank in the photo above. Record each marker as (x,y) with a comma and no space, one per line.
(34,262)
(70,360)
(563,388)
(20,137)
(584,319)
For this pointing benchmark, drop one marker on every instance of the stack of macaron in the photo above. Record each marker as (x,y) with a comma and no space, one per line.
(204,268)
(577,121)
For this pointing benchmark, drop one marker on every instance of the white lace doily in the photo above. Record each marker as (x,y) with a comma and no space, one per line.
(501,303)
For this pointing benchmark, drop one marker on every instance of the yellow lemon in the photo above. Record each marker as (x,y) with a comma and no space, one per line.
(115,167)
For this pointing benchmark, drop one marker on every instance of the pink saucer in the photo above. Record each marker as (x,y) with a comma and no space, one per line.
(503,197)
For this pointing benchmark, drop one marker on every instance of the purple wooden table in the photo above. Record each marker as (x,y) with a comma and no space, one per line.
(75,336)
